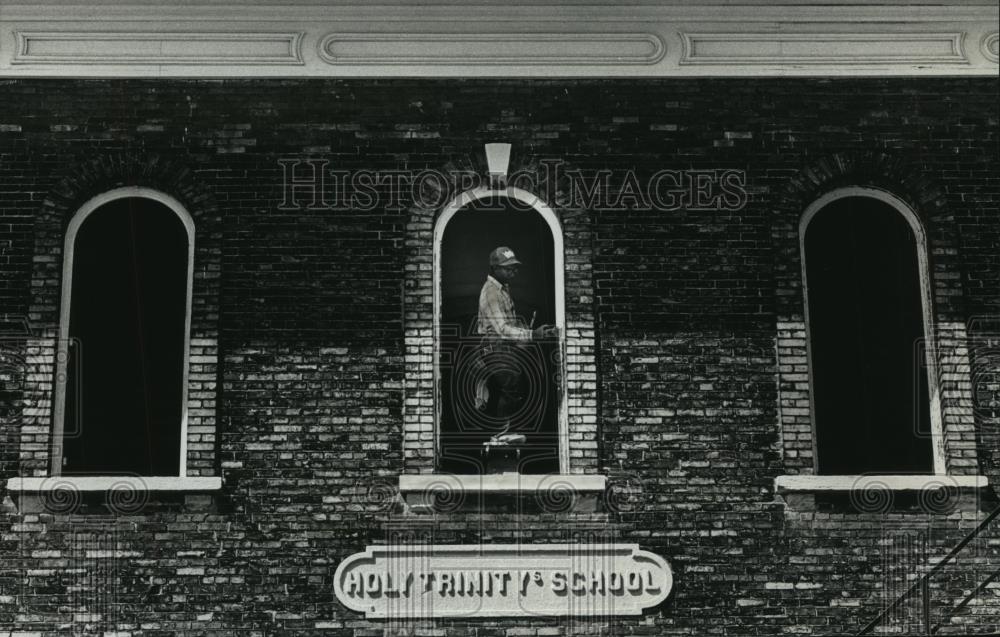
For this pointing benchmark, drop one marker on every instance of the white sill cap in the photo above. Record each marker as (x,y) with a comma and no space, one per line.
(502,482)
(107,483)
(909,482)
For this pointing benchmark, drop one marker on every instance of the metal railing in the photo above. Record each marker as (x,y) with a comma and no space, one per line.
(923,586)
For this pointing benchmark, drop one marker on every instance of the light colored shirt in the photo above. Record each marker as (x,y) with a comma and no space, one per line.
(496,313)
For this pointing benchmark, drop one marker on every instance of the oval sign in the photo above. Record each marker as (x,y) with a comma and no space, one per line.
(502,580)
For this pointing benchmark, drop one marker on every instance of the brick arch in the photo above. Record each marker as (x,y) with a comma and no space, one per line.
(552,187)
(875,169)
(925,198)
(81,182)
(87,179)
(550,180)
(841,170)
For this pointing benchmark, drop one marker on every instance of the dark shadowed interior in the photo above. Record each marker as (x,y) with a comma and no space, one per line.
(866,333)
(127,313)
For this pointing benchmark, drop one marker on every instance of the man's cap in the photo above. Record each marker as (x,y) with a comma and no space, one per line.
(503,256)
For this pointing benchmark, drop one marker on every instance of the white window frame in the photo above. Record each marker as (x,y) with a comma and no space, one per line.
(62,352)
(552,221)
(926,298)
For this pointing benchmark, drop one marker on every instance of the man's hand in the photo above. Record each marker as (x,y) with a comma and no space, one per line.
(545,331)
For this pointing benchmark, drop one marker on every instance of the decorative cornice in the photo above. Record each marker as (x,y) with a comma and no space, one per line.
(492,48)
(462,38)
(991,46)
(109,47)
(885,47)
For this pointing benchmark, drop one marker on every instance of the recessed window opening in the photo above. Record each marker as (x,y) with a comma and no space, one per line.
(128,292)
(499,399)
(866,318)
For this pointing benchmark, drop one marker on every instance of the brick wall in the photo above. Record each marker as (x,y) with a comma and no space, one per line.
(306,310)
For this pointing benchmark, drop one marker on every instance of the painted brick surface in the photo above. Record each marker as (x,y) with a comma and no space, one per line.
(303,323)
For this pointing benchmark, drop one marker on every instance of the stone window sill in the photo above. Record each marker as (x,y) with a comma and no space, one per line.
(420,490)
(814,484)
(122,494)
(85,484)
(800,491)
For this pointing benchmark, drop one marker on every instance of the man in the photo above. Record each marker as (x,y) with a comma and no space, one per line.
(501,331)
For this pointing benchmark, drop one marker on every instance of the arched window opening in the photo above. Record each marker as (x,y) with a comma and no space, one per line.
(866,318)
(474,376)
(127,286)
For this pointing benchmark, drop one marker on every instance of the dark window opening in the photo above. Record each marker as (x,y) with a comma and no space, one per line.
(127,320)
(866,328)
(468,416)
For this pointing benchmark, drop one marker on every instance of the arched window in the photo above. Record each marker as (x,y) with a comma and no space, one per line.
(125,318)
(467,380)
(867,310)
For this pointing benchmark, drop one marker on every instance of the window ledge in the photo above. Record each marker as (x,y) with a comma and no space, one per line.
(445,492)
(86,484)
(791,484)
(502,482)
